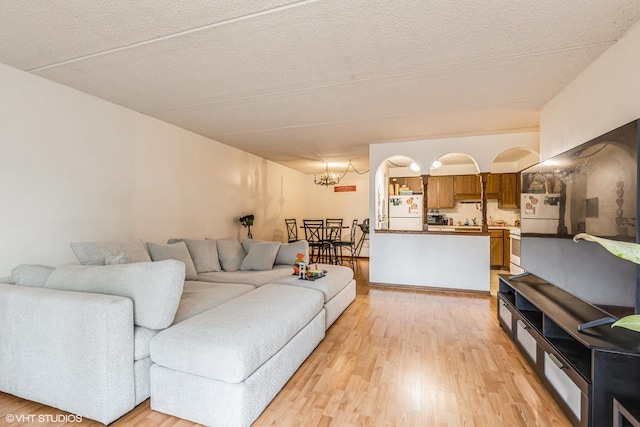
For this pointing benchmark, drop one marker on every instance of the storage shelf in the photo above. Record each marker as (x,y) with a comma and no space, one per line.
(582,370)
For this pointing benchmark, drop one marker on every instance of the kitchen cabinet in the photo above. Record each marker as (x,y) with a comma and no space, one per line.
(499,248)
(413,183)
(468,187)
(439,192)
(510,191)
(496,247)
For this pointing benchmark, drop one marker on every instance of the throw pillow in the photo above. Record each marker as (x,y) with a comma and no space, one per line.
(231,253)
(177,251)
(95,253)
(246,244)
(154,287)
(204,254)
(288,252)
(31,275)
(261,256)
(111,260)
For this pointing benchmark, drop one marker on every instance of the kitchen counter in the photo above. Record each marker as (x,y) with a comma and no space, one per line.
(468,228)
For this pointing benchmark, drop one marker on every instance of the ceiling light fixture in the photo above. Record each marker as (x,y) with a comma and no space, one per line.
(414,167)
(436,164)
(329,178)
(326,178)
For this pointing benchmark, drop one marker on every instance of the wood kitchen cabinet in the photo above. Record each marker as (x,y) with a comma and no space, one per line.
(499,248)
(468,187)
(496,247)
(440,192)
(510,191)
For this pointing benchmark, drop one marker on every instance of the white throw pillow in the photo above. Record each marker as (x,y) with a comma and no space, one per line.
(204,254)
(288,252)
(31,275)
(96,253)
(177,251)
(261,256)
(230,253)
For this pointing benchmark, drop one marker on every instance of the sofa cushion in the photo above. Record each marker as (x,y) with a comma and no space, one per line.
(261,256)
(95,253)
(229,342)
(141,341)
(288,252)
(31,275)
(230,253)
(205,254)
(255,278)
(177,251)
(154,287)
(336,279)
(201,296)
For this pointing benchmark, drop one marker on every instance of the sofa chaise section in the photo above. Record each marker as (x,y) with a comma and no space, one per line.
(222,367)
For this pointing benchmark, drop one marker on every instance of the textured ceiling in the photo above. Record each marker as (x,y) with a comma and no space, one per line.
(308,82)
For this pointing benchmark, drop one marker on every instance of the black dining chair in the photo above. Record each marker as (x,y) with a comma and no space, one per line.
(333,234)
(292,229)
(365,236)
(350,245)
(314,234)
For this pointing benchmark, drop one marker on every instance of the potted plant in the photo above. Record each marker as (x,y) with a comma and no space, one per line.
(247,222)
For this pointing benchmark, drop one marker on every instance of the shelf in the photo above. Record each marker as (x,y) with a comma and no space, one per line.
(583,371)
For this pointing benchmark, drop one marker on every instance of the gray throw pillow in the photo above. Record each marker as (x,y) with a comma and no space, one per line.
(31,275)
(261,256)
(96,253)
(246,243)
(230,253)
(204,254)
(154,287)
(288,252)
(177,251)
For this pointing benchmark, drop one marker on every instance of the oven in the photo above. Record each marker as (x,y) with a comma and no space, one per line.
(514,256)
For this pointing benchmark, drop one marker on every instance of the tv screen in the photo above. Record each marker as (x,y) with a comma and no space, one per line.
(592,189)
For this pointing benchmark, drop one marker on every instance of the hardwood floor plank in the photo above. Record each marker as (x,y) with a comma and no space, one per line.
(395,357)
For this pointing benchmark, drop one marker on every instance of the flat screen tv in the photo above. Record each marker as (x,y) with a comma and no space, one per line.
(592,188)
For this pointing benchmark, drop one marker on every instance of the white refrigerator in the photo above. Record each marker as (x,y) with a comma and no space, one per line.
(540,213)
(405,212)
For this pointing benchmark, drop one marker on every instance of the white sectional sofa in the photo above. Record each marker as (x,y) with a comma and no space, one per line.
(96,340)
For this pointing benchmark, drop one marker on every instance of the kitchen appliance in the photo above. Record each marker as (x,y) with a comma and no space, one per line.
(540,212)
(405,212)
(437,219)
(514,256)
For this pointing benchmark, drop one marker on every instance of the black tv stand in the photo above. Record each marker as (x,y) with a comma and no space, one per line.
(584,371)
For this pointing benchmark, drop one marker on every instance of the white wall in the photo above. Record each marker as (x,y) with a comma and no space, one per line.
(604,96)
(77,168)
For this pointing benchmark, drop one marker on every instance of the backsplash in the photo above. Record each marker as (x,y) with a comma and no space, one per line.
(468,211)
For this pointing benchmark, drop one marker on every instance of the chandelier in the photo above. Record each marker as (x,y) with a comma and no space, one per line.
(326,178)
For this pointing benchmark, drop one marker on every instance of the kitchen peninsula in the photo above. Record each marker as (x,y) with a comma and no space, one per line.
(436,259)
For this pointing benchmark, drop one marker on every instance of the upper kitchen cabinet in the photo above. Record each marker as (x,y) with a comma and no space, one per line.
(510,193)
(440,192)
(468,187)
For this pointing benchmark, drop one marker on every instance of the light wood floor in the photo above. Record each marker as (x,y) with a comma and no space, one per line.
(394,358)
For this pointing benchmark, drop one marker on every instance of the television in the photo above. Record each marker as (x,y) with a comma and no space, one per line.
(592,188)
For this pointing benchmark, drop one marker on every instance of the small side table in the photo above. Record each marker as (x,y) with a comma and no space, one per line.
(626,412)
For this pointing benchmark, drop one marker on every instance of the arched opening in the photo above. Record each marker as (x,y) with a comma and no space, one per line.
(514,160)
(454,164)
(398,194)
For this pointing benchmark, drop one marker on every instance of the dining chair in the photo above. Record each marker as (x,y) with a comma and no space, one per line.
(292,229)
(365,236)
(314,234)
(349,245)
(333,234)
